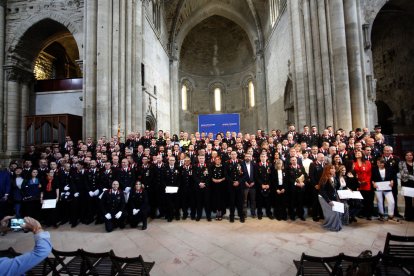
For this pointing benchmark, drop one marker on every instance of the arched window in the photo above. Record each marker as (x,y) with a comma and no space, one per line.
(251,94)
(217,99)
(184,98)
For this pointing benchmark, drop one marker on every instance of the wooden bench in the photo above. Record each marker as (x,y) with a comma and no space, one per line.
(310,265)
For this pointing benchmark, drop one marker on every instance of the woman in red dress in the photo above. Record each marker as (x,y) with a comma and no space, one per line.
(363,172)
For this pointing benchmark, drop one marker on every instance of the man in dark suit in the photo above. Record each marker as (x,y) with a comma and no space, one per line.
(187,189)
(392,161)
(171,179)
(315,173)
(249,188)
(263,186)
(201,177)
(235,183)
(158,186)
(297,188)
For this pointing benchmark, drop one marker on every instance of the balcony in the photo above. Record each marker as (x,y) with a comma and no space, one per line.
(58,85)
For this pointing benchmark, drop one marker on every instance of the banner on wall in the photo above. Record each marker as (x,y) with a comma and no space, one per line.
(216,123)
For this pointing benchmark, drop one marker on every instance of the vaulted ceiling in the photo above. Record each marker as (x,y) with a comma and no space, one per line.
(183,15)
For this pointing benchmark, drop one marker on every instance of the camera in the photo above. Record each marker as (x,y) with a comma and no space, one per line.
(16,223)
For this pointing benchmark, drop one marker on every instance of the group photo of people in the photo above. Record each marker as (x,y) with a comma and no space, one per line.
(296,175)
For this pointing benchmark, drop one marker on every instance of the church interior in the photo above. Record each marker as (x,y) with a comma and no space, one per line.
(89,68)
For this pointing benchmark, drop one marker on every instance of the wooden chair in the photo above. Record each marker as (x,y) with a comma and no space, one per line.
(9,253)
(98,263)
(43,268)
(310,265)
(358,265)
(395,266)
(131,266)
(69,263)
(399,246)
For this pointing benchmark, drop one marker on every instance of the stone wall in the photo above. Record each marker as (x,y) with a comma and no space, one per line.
(234,98)
(157,71)
(278,54)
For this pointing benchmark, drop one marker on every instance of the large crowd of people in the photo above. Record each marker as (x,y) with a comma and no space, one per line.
(281,176)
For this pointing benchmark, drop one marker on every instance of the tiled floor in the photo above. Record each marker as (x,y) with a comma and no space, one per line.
(220,248)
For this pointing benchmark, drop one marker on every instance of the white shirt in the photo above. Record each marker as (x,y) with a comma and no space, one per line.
(382,173)
(248,168)
(280,176)
(306,164)
(19,182)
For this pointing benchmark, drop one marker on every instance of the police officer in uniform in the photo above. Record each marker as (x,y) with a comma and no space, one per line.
(187,189)
(201,176)
(113,204)
(138,206)
(171,179)
(236,186)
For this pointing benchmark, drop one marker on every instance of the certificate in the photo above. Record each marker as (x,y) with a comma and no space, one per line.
(383,186)
(347,194)
(407,191)
(171,190)
(338,207)
(49,204)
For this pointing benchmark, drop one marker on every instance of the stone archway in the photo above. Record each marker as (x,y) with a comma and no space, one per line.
(21,54)
(392,39)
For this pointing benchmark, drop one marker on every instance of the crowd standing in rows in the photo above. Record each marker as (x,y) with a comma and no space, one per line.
(191,176)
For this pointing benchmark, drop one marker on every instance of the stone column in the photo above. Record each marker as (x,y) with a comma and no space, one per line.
(325,63)
(354,63)
(104,68)
(137,97)
(128,66)
(13,115)
(260,91)
(340,66)
(309,61)
(174,96)
(298,61)
(89,71)
(24,110)
(320,102)
(2,98)
(117,63)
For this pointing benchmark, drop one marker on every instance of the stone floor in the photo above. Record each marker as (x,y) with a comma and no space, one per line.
(265,247)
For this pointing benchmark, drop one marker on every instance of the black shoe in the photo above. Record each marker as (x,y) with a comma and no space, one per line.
(242,219)
(63,222)
(259,216)
(208,219)
(369,218)
(185,217)
(302,218)
(193,218)
(144,227)
(197,219)
(315,219)
(271,217)
(231,219)
(292,218)
(74,225)
(169,220)
(398,215)
(177,218)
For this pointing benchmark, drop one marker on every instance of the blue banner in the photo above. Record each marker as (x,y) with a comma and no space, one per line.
(216,123)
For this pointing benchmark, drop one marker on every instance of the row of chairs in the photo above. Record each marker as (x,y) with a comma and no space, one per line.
(397,259)
(81,262)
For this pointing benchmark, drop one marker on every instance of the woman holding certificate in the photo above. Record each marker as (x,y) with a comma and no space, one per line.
(328,184)
(50,192)
(382,182)
(407,182)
